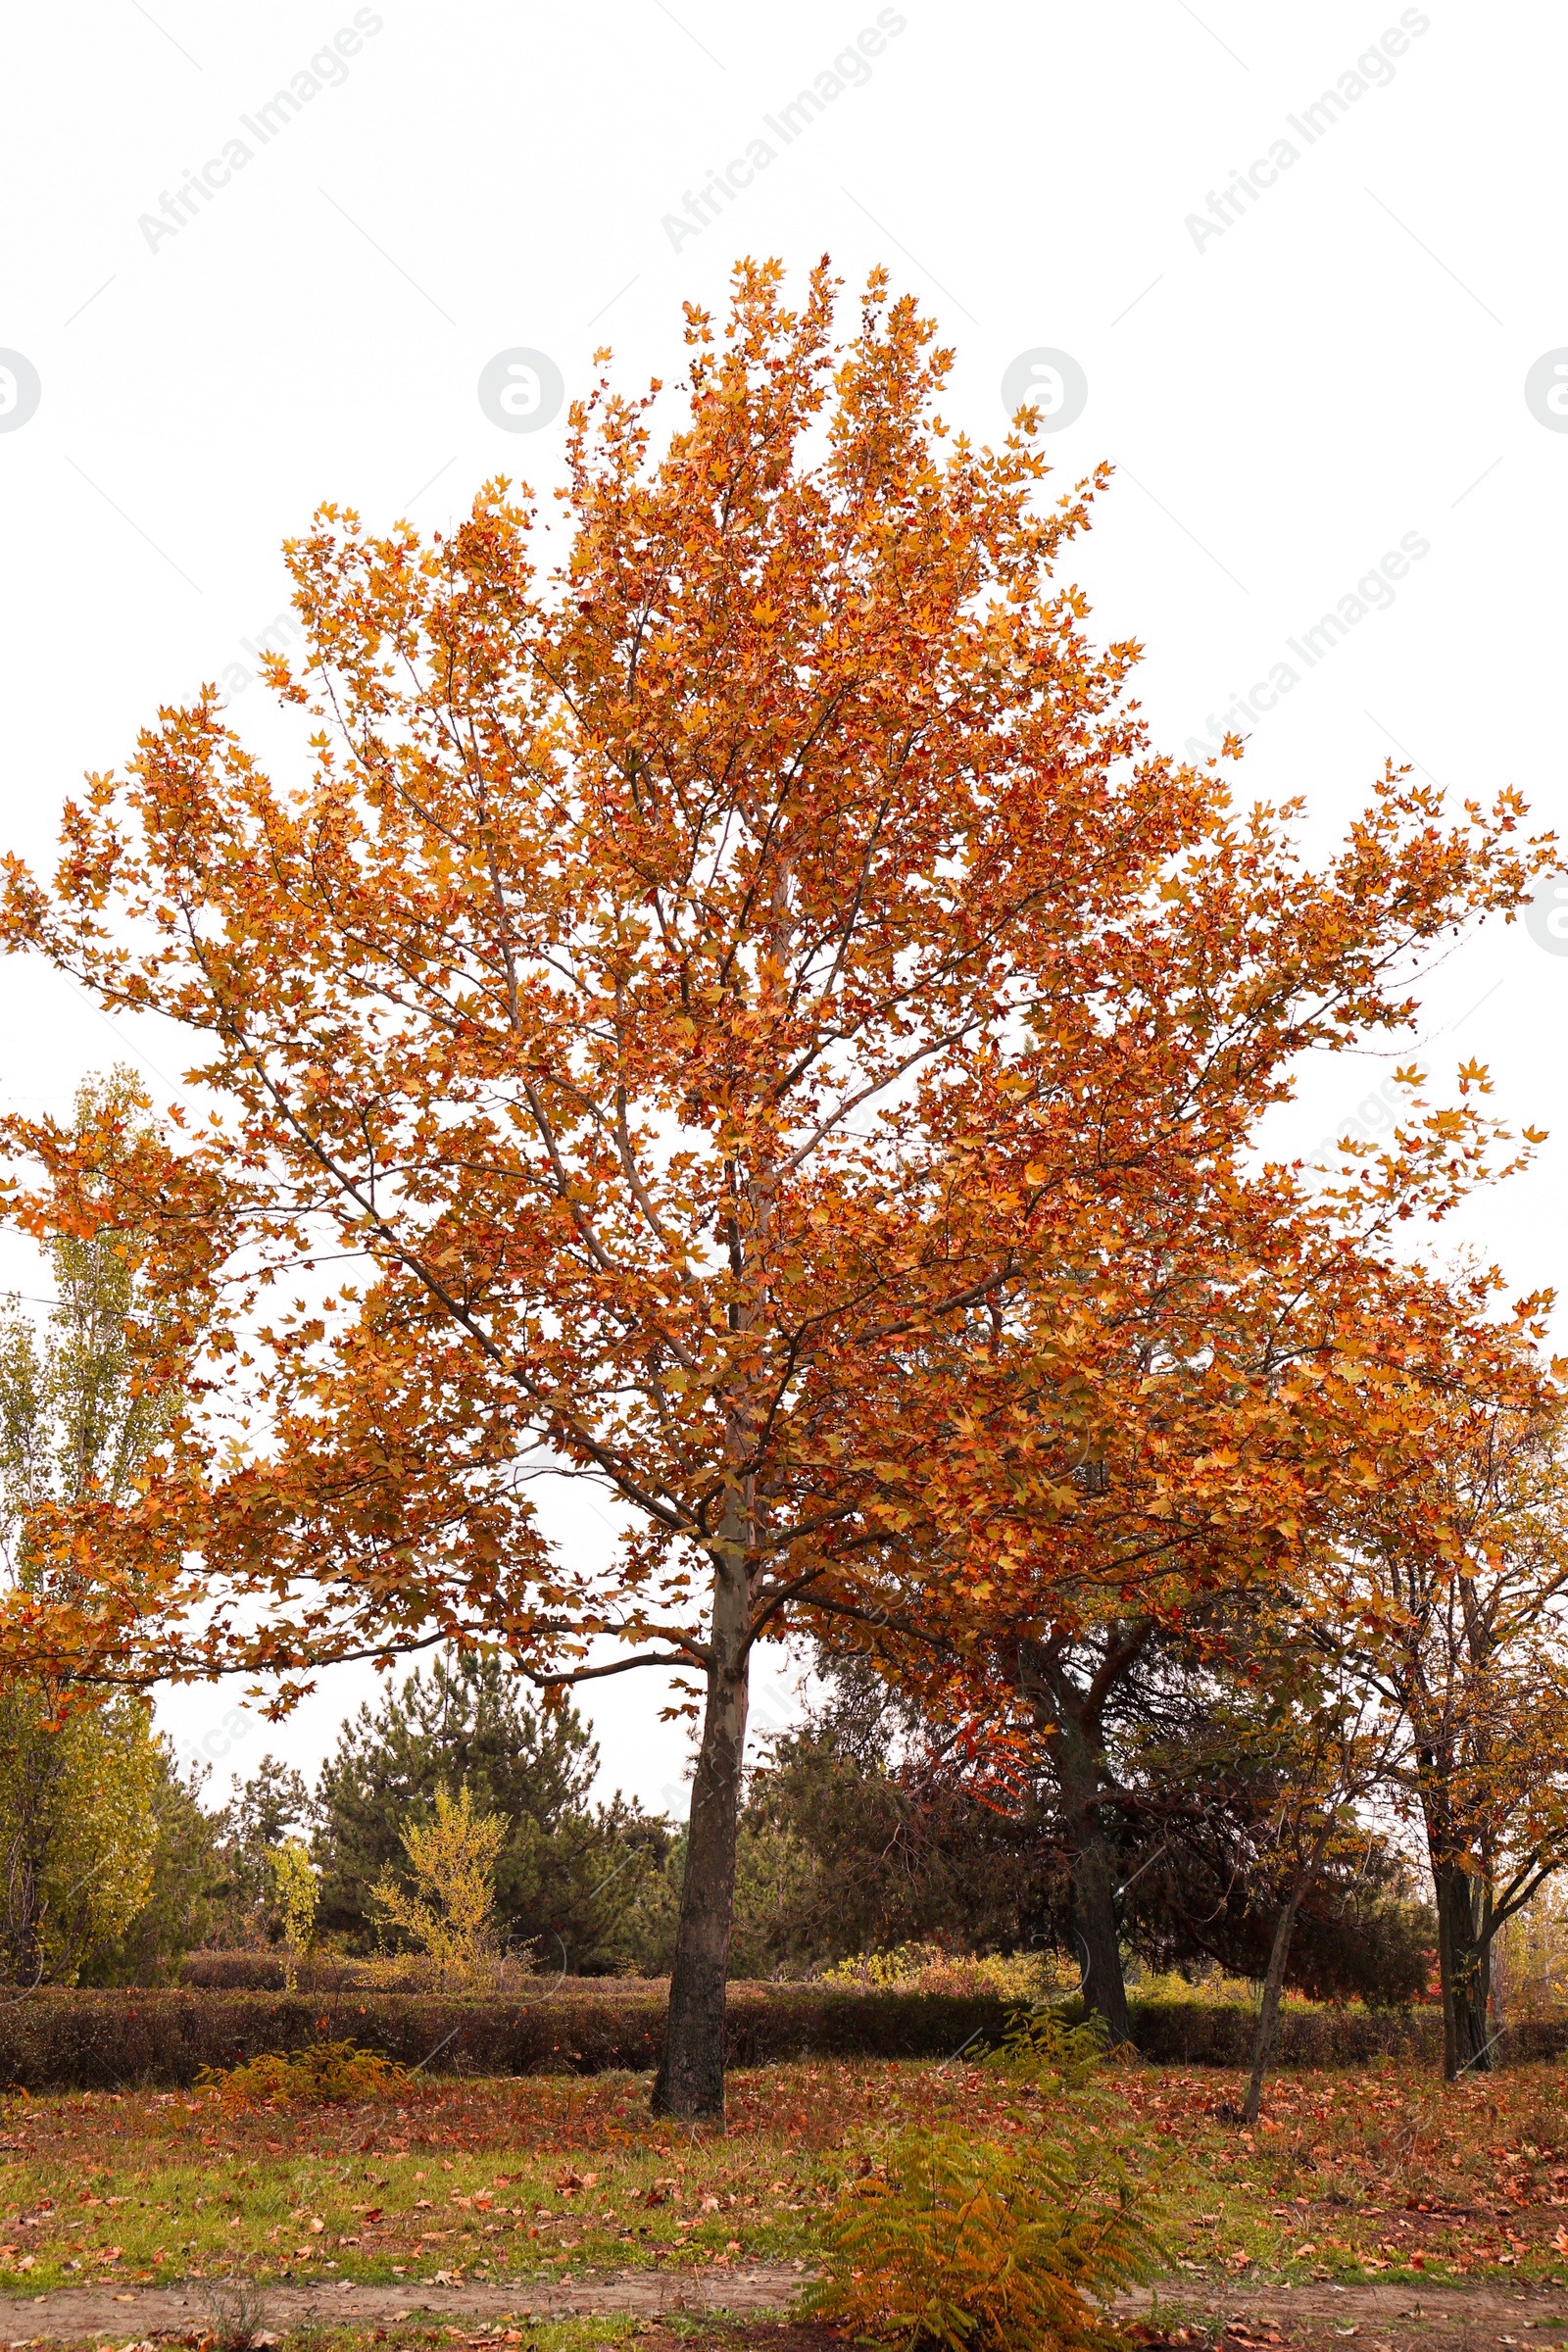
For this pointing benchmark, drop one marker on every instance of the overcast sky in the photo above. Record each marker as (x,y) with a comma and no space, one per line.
(1298,274)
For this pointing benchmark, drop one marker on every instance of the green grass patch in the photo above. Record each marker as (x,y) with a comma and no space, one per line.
(1384,2174)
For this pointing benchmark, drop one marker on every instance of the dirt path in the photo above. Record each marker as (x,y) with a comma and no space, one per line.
(1374,2316)
(184,2310)
(1245,2317)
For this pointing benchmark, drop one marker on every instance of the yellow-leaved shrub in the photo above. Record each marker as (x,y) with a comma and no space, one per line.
(986,2246)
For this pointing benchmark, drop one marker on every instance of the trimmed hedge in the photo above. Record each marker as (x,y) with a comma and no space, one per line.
(263,1972)
(254,1972)
(1214,2034)
(75,2040)
(1220,2034)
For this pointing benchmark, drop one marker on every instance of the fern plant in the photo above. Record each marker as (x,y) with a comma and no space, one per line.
(979,2246)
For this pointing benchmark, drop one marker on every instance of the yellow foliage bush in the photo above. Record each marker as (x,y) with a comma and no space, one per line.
(297,1888)
(449,1914)
(926,1967)
(982,2247)
(328,2073)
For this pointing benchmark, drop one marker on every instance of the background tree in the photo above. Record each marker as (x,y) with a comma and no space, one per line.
(1214,1781)
(294,1892)
(1204,1893)
(448,1911)
(181,1907)
(78,1831)
(77,1418)
(571,1878)
(1331,1749)
(81,1790)
(1245,1391)
(683,991)
(1072,1688)
(264,1813)
(1454,1597)
(861,1834)
(1195,1779)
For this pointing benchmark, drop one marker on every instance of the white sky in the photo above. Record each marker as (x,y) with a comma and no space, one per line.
(1339,369)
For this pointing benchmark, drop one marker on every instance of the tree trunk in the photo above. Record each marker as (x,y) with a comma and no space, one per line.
(1093,1881)
(1274,1982)
(24,1917)
(1464,1968)
(691,2076)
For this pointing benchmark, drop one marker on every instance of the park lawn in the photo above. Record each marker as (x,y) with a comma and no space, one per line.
(516,2179)
(1379,2173)
(1360,2174)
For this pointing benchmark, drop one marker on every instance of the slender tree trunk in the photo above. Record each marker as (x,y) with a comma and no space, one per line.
(1093,1881)
(1465,1969)
(691,2076)
(1274,1982)
(24,1915)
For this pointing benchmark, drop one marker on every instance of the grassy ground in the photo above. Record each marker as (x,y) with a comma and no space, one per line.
(1384,2174)
(498,2179)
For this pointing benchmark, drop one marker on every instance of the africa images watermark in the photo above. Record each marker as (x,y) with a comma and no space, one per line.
(326,69)
(1373,70)
(20,390)
(1377,1114)
(849,69)
(218,1741)
(1546,390)
(1546,915)
(1373,593)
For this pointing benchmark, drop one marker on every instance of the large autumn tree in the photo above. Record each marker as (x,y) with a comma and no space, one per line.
(675,991)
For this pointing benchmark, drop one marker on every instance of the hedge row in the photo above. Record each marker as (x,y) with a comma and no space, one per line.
(257,1972)
(114,2041)
(1212,2033)
(263,1972)
(1220,2034)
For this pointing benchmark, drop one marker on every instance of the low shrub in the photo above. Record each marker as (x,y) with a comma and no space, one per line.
(251,1971)
(328,2074)
(981,2247)
(1197,2032)
(106,2040)
(257,1972)
(927,1968)
(109,2040)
